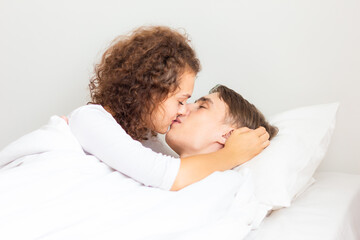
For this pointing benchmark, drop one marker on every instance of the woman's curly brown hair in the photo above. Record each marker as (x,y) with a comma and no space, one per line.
(139,71)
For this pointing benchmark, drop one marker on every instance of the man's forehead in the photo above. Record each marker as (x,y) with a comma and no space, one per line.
(214,102)
(205,99)
(211,98)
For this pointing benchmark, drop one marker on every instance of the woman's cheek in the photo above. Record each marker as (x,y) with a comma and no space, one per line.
(174,111)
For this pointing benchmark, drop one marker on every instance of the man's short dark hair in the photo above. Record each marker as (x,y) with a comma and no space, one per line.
(240,112)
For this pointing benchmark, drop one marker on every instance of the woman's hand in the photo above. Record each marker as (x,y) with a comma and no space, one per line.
(241,146)
(245,143)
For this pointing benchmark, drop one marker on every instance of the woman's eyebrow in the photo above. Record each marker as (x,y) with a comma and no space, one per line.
(186,95)
(204,99)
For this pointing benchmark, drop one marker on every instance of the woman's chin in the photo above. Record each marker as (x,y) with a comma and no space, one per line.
(163,131)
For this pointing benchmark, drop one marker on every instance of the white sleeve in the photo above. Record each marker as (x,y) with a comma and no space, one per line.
(100,135)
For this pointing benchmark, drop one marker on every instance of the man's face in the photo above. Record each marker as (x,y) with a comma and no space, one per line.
(202,130)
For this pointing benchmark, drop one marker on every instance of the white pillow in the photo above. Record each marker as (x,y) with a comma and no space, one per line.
(287,165)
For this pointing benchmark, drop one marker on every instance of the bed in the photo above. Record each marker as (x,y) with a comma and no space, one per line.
(50,189)
(329,209)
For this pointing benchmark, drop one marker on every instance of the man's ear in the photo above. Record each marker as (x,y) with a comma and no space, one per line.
(225,135)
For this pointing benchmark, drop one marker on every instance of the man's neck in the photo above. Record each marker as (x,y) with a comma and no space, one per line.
(205,151)
(209,149)
(184,155)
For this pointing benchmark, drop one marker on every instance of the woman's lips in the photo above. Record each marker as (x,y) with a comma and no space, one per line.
(176,121)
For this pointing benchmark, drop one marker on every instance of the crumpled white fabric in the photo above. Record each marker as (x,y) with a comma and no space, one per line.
(50,189)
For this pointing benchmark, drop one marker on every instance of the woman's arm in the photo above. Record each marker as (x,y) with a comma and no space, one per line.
(100,135)
(243,145)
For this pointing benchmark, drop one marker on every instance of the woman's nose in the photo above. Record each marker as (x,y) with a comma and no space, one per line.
(183,109)
(186,109)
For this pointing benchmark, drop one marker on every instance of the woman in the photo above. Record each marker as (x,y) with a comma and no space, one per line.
(139,89)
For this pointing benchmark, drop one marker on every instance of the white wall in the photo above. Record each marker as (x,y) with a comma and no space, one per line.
(278,54)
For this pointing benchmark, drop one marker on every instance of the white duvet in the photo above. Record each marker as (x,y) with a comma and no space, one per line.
(50,189)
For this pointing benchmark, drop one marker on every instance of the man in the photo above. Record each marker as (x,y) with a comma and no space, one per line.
(210,121)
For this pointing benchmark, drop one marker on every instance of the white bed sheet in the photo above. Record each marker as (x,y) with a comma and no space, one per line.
(50,189)
(329,210)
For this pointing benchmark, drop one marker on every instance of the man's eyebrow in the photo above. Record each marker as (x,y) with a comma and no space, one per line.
(204,99)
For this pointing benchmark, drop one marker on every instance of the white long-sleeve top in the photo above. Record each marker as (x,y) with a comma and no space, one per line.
(100,135)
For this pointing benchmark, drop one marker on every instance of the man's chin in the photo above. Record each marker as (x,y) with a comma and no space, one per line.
(172,127)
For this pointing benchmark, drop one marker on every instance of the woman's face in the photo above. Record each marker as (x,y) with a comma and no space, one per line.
(166,113)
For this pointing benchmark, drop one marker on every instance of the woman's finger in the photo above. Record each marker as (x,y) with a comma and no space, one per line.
(266,143)
(260,131)
(66,119)
(242,130)
(264,137)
